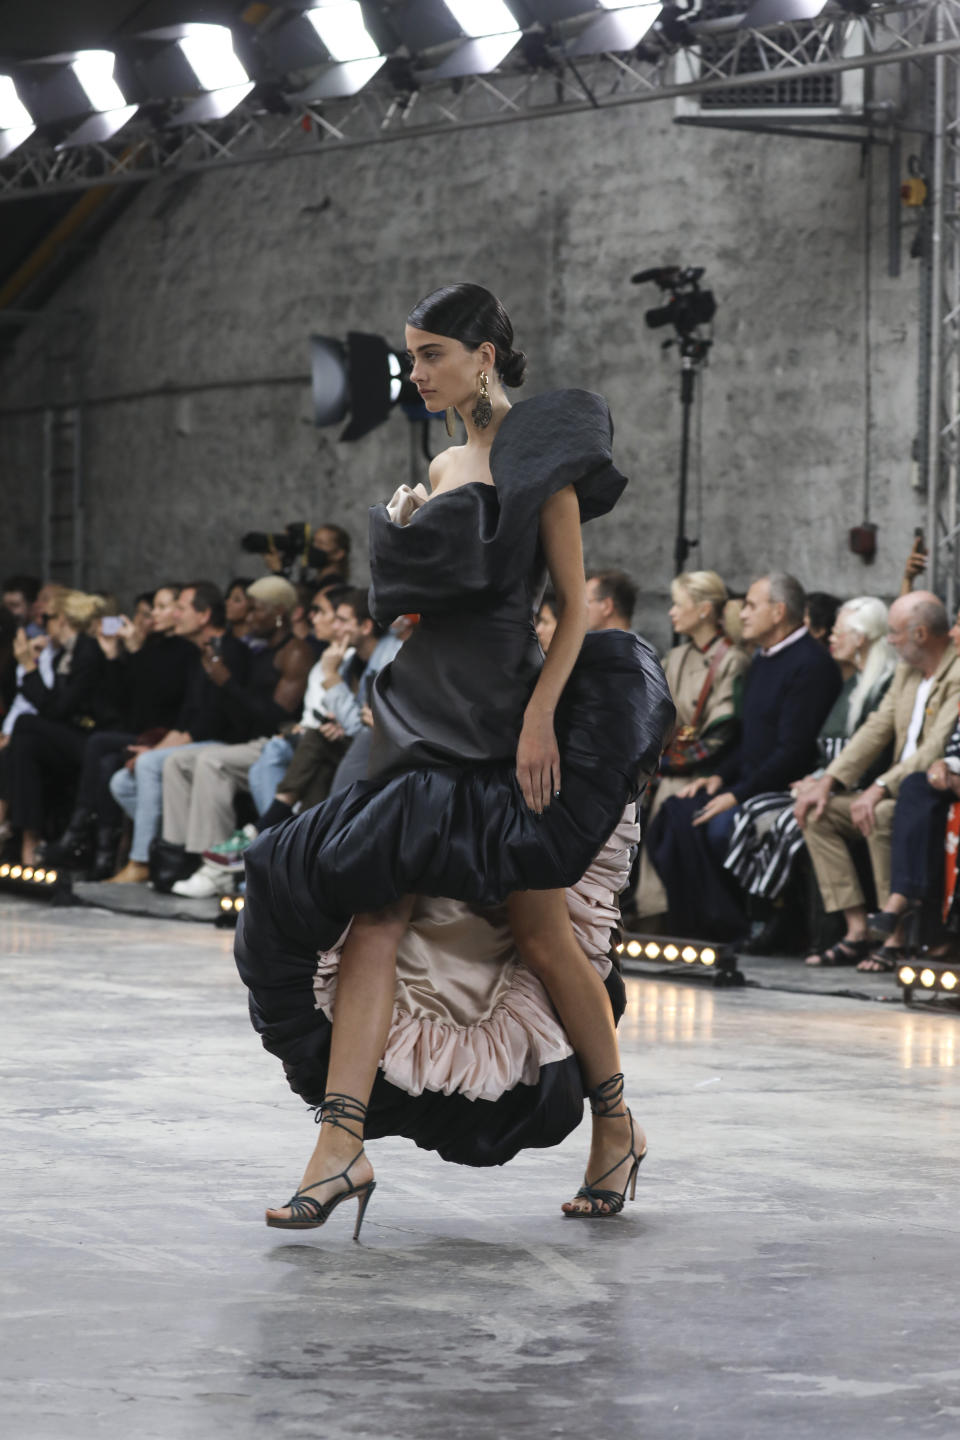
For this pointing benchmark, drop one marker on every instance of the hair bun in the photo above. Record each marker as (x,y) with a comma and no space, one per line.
(514,368)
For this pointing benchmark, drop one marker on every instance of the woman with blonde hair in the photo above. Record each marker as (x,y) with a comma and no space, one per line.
(767,839)
(704,675)
(46,749)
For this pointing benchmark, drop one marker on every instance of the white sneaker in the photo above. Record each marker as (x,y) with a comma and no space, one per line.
(209,880)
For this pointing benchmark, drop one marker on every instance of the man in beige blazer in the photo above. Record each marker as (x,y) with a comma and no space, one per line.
(916,718)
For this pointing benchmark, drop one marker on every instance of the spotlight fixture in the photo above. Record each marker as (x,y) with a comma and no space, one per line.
(94,70)
(16,122)
(691,957)
(363,378)
(208,50)
(230,908)
(931,979)
(619,30)
(492,32)
(35,880)
(341,27)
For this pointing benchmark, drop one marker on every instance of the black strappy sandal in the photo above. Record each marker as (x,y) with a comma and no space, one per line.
(343,1111)
(603,1101)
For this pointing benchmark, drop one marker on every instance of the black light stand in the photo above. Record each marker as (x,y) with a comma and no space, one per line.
(693,355)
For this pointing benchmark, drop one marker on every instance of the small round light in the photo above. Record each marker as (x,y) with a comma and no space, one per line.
(688,954)
(619,949)
(51,877)
(15,872)
(39,876)
(225,902)
(652,950)
(4,871)
(634,948)
(928,978)
(238,903)
(670,952)
(707,956)
(948,980)
(907,975)
(28,872)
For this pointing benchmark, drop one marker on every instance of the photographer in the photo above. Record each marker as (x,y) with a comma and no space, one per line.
(322,552)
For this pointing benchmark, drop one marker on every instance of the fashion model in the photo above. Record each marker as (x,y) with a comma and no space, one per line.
(427,951)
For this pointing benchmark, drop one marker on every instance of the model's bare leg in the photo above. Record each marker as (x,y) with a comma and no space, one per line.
(544,936)
(366,989)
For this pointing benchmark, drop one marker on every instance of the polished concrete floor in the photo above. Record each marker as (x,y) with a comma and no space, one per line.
(790,1268)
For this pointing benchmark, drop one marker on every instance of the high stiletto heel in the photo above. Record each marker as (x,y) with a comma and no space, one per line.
(307,1213)
(603,1102)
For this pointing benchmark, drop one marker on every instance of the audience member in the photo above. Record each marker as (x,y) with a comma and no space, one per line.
(237,607)
(611,597)
(46,749)
(205,717)
(820,615)
(546,619)
(200,784)
(767,839)
(19,596)
(789,689)
(326,560)
(705,676)
(916,716)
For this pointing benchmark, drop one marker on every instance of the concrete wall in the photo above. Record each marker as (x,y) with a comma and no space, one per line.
(208,287)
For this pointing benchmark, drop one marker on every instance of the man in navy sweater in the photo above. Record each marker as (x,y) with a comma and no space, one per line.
(788,692)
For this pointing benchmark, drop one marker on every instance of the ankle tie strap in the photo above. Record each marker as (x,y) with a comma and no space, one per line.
(606,1097)
(342,1111)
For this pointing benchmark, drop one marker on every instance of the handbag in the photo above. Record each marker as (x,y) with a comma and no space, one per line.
(168,864)
(685,752)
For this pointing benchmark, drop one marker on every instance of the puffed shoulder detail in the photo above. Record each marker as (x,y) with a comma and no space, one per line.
(563,437)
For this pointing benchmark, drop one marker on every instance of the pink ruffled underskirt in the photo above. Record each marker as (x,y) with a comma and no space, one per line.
(469,1017)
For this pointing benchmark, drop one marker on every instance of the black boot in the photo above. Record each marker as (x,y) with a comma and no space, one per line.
(74,849)
(105,855)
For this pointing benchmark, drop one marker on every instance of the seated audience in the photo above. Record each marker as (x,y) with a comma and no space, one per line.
(19,596)
(546,619)
(46,748)
(820,615)
(767,839)
(705,676)
(611,597)
(148,666)
(789,689)
(205,717)
(916,716)
(237,608)
(200,783)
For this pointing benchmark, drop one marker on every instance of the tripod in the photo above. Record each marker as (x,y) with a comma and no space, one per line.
(693,356)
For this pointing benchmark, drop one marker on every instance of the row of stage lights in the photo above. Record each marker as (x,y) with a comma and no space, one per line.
(27,873)
(693,957)
(931,978)
(198,64)
(653,950)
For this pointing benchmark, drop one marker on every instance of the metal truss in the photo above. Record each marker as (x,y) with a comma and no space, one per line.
(721,58)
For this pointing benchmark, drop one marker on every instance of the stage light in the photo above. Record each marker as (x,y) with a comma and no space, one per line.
(928,978)
(225,902)
(708,956)
(670,952)
(948,980)
(208,50)
(634,948)
(621,28)
(719,962)
(781,12)
(39,876)
(16,871)
(16,122)
(688,954)
(492,32)
(28,872)
(51,877)
(238,903)
(363,379)
(94,70)
(4,871)
(907,975)
(482,17)
(652,950)
(341,27)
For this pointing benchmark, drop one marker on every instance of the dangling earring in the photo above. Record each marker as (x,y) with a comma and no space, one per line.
(482,412)
(449,421)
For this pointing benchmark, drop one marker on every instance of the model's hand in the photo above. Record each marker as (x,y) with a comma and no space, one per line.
(812,800)
(863,808)
(538,761)
(724,801)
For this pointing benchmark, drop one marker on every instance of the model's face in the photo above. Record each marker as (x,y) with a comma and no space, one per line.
(759,616)
(321,617)
(685,612)
(165,611)
(844,642)
(237,605)
(444,370)
(546,624)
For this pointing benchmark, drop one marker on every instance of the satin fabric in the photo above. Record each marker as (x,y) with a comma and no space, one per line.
(441,814)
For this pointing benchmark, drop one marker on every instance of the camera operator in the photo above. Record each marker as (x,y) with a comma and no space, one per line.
(199,786)
(204,718)
(324,558)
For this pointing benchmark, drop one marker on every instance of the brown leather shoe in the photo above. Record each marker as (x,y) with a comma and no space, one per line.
(133,873)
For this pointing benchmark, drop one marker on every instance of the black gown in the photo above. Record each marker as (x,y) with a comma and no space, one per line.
(441,813)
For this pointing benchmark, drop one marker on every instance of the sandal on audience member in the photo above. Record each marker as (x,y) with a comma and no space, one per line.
(884,957)
(845,952)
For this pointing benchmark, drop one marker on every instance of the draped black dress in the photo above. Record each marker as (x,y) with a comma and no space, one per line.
(441,813)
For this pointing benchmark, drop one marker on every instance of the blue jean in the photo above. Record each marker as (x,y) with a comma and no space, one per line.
(140,793)
(268,770)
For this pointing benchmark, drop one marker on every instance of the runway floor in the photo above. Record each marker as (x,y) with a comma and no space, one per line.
(790,1268)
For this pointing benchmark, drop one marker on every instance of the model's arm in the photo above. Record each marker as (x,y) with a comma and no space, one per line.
(538,758)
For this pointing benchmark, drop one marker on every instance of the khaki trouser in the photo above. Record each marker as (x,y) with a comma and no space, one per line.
(198,790)
(827,843)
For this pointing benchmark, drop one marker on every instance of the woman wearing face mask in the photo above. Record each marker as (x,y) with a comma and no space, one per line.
(496,821)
